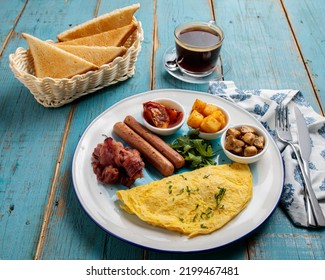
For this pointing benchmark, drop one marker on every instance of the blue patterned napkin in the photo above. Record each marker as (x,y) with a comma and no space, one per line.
(261,104)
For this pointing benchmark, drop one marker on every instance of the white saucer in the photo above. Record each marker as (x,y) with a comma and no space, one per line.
(223,66)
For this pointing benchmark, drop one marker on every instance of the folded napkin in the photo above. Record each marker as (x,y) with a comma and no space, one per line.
(261,104)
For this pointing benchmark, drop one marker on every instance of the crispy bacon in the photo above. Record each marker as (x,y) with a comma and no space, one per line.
(113,163)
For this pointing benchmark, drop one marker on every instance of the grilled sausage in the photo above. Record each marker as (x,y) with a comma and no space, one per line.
(162,164)
(175,158)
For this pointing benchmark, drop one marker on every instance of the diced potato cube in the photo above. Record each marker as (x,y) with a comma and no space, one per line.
(210,125)
(209,109)
(221,117)
(198,105)
(216,114)
(195,119)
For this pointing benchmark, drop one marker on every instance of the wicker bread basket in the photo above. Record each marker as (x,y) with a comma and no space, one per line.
(57,92)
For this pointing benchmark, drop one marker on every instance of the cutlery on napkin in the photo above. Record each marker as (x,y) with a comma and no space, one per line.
(261,103)
(315,216)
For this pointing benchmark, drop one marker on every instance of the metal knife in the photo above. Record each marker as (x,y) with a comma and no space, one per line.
(312,204)
(310,214)
(305,150)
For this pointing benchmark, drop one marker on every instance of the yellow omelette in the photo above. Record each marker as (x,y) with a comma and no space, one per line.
(193,203)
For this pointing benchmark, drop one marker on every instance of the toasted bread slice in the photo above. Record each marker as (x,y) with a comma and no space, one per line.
(94,54)
(109,21)
(51,61)
(116,37)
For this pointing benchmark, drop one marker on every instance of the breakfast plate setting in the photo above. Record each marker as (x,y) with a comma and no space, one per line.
(101,201)
(166,135)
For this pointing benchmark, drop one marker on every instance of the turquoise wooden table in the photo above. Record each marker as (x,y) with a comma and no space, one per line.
(275,44)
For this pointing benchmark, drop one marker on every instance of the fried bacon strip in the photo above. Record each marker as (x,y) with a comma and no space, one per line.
(113,163)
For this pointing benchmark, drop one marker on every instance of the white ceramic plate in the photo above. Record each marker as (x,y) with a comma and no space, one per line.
(101,203)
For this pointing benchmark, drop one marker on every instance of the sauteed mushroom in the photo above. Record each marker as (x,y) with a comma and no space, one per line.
(250,151)
(245,129)
(233,144)
(259,142)
(249,138)
(234,132)
(244,141)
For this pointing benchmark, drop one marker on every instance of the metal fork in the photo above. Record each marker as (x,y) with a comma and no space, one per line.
(284,134)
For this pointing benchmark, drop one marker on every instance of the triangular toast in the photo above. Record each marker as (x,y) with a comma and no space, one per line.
(116,37)
(94,54)
(51,61)
(109,21)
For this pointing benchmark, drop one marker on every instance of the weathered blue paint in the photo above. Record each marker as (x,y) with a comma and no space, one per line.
(272,44)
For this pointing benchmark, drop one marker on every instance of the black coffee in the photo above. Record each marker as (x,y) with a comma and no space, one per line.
(197,49)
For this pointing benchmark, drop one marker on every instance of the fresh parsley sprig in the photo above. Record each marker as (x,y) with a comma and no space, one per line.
(196,151)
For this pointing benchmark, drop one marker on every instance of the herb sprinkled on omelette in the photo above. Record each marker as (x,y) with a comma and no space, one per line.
(193,203)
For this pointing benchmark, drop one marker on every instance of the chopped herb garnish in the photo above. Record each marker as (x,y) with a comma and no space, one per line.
(181,191)
(183,177)
(203,226)
(207,214)
(206,176)
(219,196)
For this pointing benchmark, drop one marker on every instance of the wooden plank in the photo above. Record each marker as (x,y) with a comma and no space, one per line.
(9,15)
(257,35)
(279,239)
(289,243)
(262,46)
(67,219)
(169,14)
(307,21)
(31,138)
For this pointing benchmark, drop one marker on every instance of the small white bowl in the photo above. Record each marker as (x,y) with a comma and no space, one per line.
(171,130)
(214,135)
(243,159)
